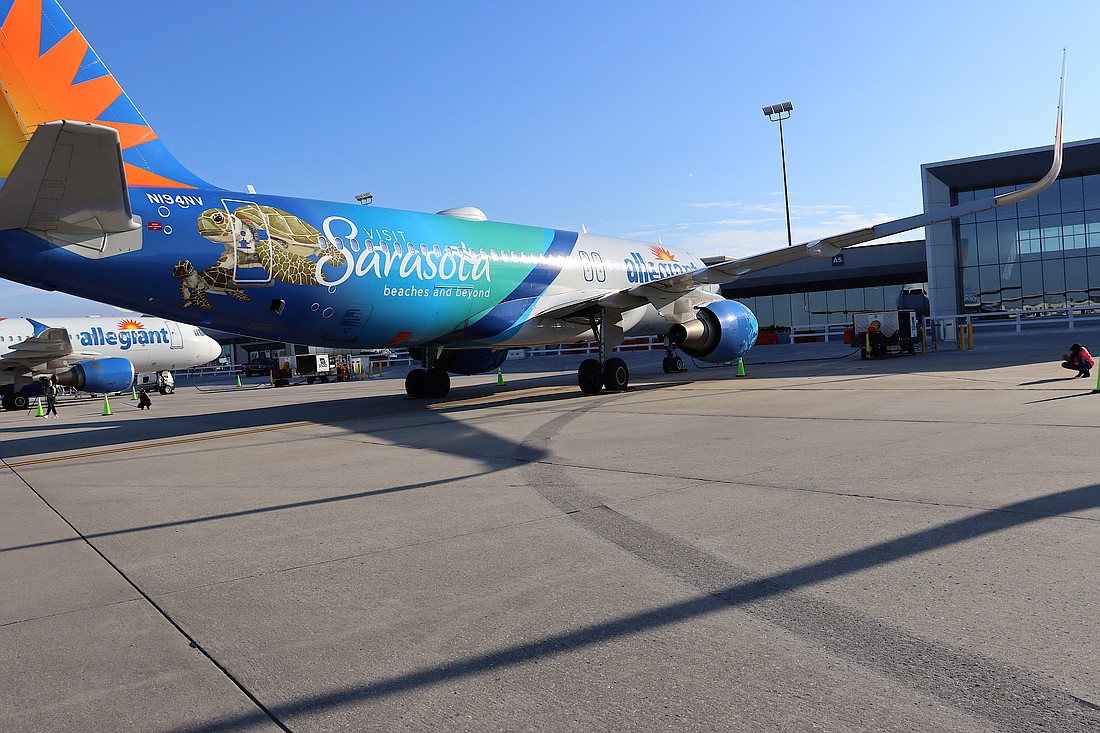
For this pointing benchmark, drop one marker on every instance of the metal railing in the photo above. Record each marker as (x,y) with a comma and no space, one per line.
(1069,316)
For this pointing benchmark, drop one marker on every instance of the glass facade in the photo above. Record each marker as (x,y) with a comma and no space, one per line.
(780,312)
(1039,253)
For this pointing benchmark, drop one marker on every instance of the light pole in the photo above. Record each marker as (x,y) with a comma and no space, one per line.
(778,113)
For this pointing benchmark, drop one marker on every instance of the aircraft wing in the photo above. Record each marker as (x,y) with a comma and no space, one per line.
(38,351)
(665,290)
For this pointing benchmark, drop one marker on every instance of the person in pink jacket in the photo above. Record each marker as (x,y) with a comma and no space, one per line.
(1078,358)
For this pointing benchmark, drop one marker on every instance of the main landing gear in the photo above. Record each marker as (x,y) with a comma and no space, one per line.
(672,363)
(430,380)
(610,373)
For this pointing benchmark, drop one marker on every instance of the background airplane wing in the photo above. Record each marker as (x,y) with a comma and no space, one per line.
(36,352)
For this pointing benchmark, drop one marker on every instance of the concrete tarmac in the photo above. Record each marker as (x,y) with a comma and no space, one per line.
(826,544)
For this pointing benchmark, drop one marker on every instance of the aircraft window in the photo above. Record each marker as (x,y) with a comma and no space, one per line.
(483,255)
(397,248)
(435,248)
(411,247)
(424,249)
(354,244)
(493,255)
(336,242)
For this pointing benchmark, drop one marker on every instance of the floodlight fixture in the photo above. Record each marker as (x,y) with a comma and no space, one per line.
(778,113)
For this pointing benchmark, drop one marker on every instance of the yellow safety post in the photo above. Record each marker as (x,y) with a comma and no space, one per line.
(106,406)
(962,338)
(379,370)
(923,342)
(740,367)
(41,412)
(969,335)
(867,344)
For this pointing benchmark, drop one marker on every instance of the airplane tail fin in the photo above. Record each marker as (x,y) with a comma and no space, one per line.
(48,72)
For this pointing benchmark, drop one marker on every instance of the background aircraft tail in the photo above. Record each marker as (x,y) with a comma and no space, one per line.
(49,72)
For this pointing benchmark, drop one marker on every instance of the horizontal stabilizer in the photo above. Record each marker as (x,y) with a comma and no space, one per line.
(69,181)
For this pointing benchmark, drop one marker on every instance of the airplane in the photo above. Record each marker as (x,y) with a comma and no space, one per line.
(95,205)
(93,354)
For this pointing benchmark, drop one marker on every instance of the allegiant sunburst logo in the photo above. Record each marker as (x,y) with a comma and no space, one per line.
(129,324)
(662,254)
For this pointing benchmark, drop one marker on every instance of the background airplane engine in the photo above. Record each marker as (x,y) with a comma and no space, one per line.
(98,375)
(721,331)
(471,361)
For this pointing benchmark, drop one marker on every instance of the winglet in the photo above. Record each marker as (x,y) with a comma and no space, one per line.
(1007,199)
(830,246)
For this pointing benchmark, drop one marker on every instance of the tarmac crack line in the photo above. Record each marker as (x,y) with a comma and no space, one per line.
(192,642)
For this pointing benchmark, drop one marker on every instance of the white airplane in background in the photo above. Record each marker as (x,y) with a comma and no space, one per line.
(95,205)
(94,354)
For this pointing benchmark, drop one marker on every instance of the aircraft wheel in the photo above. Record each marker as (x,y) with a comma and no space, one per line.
(590,376)
(416,384)
(677,364)
(863,354)
(19,401)
(666,364)
(616,375)
(311,380)
(438,382)
(7,402)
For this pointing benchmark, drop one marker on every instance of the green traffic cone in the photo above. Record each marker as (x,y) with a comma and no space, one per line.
(41,412)
(238,380)
(133,393)
(740,367)
(500,378)
(106,406)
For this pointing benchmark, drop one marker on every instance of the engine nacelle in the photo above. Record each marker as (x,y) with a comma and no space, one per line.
(466,361)
(98,375)
(723,330)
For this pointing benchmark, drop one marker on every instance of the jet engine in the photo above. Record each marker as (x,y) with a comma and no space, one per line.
(467,361)
(722,330)
(98,375)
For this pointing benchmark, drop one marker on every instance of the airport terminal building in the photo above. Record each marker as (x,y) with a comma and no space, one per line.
(1041,253)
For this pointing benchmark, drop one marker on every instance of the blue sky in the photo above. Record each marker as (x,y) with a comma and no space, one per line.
(634,119)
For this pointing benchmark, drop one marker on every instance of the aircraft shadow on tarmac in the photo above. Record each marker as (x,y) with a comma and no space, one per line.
(424,423)
(1021,699)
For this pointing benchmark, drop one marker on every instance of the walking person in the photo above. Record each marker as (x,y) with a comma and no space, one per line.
(51,398)
(1078,358)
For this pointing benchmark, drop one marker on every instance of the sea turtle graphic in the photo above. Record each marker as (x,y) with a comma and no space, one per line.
(255,235)
(195,284)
